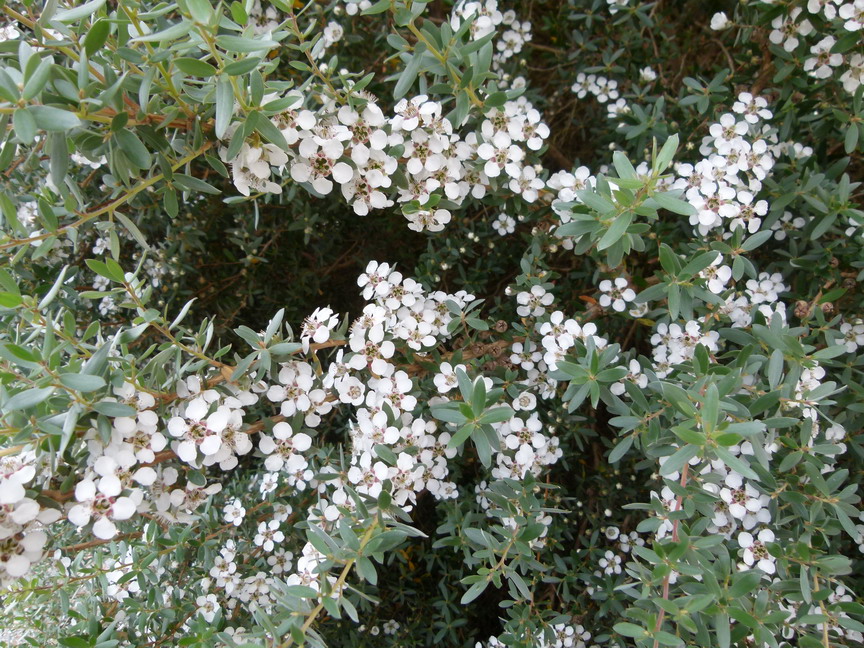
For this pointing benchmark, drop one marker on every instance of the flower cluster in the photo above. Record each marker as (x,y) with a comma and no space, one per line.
(792,31)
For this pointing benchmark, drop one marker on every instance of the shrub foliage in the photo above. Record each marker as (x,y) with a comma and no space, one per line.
(411,323)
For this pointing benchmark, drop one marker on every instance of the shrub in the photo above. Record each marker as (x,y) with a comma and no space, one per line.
(410,323)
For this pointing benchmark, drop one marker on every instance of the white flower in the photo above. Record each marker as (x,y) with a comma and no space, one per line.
(284,448)
(499,153)
(208,606)
(93,503)
(853,77)
(318,326)
(634,375)
(727,133)
(504,224)
(371,350)
(446,380)
(197,432)
(717,275)
(432,220)
(617,294)
(787,29)
(647,75)
(753,108)
(823,60)
(741,498)
(825,7)
(318,160)
(332,33)
(296,386)
(720,21)
(525,355)
(526,401)
(13,475)
(374,280)
(853,336)
(534,302)
(8,32)
(853,14)
(268,535)
(755,551)
(610,563)
(234,512)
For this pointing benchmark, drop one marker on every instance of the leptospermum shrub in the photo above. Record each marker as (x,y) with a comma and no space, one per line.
(409,323)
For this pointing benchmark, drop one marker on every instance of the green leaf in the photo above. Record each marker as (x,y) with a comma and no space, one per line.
(466,388)
(461,435)
(200,10)
(623,166)
(301,591)
(478,396)
(366,570)
(448,414)
(669,261)
(710,409)
(630,630)
(736,464)
(132,229)
(171,33)
(379,7)
(621,449)
(53,119)
(616,230)
(745,583)
(667,639)
(133,148)
(58,154)
(409,74)
(676,462)
(37,80)
(474,591)
(688,435)
(775,368)
(238,68)
(224,107)
(194,67)
(670,202)
(113,409)
(104,269)
(851,139)
(272,134)
(697,265)
(496,415)
(667,152)
(483,444)
(82,382)
(24,125)
(55,288)
(596,202)
(846,522)
(27,398)
(10,300)
(238,13)
(477,324)
(756,240)
(191,183)
(723,629)
(77,13)
(673,300)
(244,45)
(96,36)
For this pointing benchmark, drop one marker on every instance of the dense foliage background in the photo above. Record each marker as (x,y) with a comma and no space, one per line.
(409,323)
